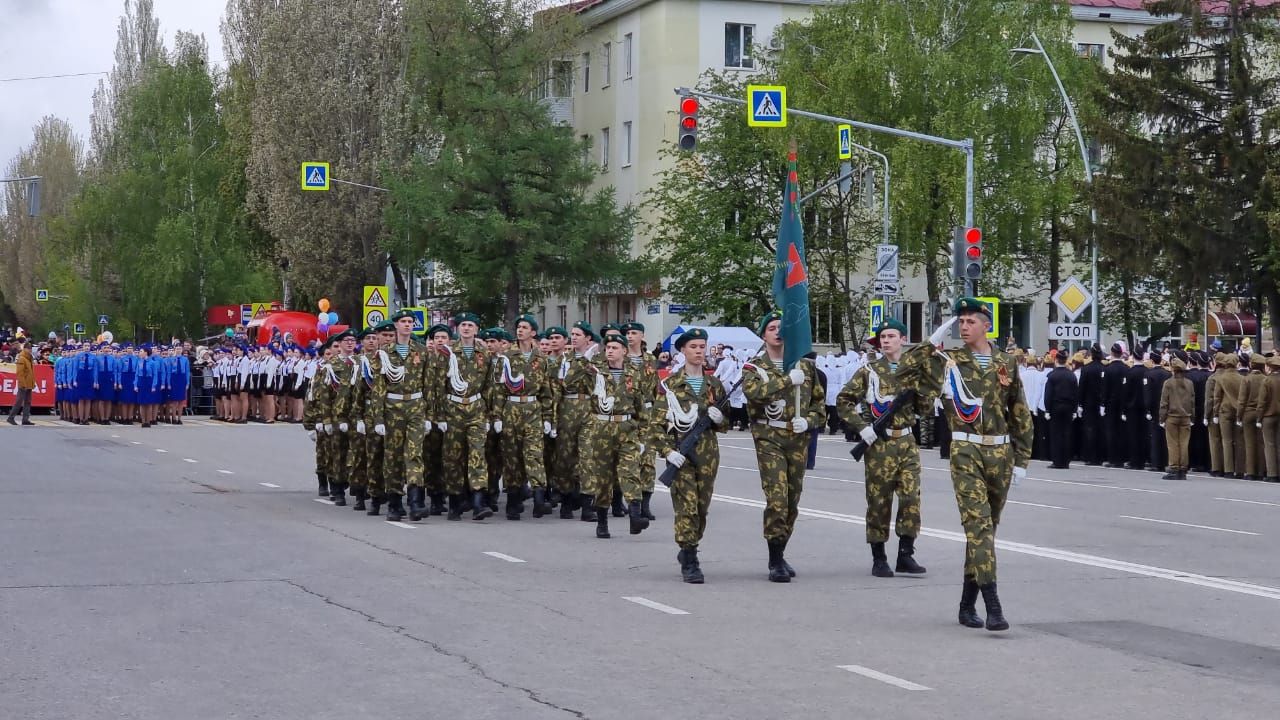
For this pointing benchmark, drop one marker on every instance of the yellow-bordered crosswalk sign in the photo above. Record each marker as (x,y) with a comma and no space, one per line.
(315,176)
(767,105)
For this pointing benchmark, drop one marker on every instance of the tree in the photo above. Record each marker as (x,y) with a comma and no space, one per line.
(1187,120)
(496,191)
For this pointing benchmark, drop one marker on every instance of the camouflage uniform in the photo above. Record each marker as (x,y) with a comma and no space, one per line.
(342,412)
(523,401)
(571,418)
(358,452)
(653,425)
(694,483)
(466,411)
(610,440)
(493,440)
(374,444)
(319,396)
(437,366)
(400,391)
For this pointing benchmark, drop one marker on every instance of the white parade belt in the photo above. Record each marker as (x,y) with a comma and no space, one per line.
(573,396)
(464,400)
(987,440)
(398,396)
(774,423)
(521,398)
(613,418)
(898,433)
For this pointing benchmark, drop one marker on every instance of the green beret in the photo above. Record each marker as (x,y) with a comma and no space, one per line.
(485,334)
(690,334)
(403,314)
(615,338)
(501,334)
(366,332)
(385,326)
(527,318)
(348,333)
(585,327)
(609,328)
(466,317)
(768,318)
(439,327)
(328,343)
(556,330)
(633,325)
(971,304)
(892,324)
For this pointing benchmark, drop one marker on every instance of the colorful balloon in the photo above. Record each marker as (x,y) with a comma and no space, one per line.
(324,304)
(231,333)
(322,329)
(333,318)
(322,318)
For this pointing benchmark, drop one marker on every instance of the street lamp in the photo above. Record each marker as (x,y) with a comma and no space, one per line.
(1088,170)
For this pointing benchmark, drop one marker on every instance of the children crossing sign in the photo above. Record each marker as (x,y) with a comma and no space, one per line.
(375,305)
(315,176)
(767,105)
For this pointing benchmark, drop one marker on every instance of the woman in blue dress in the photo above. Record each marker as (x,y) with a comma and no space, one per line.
(126,370)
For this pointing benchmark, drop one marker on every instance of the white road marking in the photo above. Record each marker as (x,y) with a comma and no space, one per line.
(326,501)
(807,475)
(1235,586)
(1103,487)
(882,677)
(190,460)
(134,442)
(655,605)
(115,436)
(1190,525)
(404,525)
(1019,502)
(161,450)
(503,556)
(270,485)
(226,472)
(1251,502)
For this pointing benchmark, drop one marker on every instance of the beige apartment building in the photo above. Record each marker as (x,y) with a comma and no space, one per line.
(618,91)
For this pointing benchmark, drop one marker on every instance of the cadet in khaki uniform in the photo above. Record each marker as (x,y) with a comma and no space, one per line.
(1252,397)
(438,339)
(892,464)
(399,416)
(497,341)
(1211,417)
(1271,421)
(375,444)
(611,443)
(571,418)
(652,423)
(361,395)
(552,345)
(338,414)
(1226,401)
(782,405)
(1177,405)
(525,402)
(467,420)
(991,434)
(319,395)
(681,398)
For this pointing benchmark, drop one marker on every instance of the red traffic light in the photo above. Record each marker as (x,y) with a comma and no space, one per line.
(689,123)
(689,105)
(973,236)
(974,253)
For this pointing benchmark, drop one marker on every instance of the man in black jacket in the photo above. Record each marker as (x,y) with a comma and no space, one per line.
(1092,391)
(1061,398)
(1135,412)
(1153,384)
(1113,407)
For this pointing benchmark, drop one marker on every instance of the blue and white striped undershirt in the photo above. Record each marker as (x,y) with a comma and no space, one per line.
(696,384)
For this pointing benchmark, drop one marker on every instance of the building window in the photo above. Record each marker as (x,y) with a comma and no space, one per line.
(737,45)
(562,78)
(626,55)
(586,149)
(608,64)
(1093,51)
(564,316)
(604,148)
(626,144)
(586,72)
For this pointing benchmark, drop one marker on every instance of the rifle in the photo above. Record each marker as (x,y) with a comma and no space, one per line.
(689,441)
(881,424)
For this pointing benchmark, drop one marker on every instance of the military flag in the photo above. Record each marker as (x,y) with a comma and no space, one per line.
(790,273)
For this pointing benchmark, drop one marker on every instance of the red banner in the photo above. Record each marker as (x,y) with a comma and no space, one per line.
(41,397)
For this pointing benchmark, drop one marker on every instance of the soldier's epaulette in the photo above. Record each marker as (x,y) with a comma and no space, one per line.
(748,366)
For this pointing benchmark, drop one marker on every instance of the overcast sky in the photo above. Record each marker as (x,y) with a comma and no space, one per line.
(53,37)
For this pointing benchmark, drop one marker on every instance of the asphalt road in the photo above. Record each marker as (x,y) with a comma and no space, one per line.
(190,572)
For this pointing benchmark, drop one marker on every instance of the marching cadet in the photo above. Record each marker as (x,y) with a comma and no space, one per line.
(400,418)
(1226,404)
(1271,420)
(525,407)
(893,464)
(571,417)
(338,414)
(318,400)
(782,406)
(1252,398)
(466,416)
(990,441)
(383,337)
(438,339)
(496,341)
(681,398)
(1177,403)
(653,424)
(611,442)
(361,387)
(552,346)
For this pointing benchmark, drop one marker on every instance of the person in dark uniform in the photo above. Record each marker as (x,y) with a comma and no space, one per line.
(1093,438)
(1135,411)
(1198,374)
(1113,407)
(1153,384)
(1061,397)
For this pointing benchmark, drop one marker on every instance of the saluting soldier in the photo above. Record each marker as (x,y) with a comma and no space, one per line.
(991,434)
(525,404)
(467,418)
(681,398)
(782,405)
(892,463)
(652,423)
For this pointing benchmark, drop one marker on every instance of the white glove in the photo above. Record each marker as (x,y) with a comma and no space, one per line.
(312,434)
(868,435)
(328,429)
(497,426)
(360,426)
(1102,411)
(1123,418)
(444,426)
(797,376)
(1019,474)
(799,425)
(1205,422)
(554,433)
(1215,421)
(675,458)
(641,449)
(547,429)
(487,427)
(1148,416)
(1079,412)
(943,330)
(342,427)
(1162,425)
(714,413)
(380,429)
(1259,424)
(1239,423)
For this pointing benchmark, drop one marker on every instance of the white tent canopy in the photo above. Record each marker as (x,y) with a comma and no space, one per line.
(739,338)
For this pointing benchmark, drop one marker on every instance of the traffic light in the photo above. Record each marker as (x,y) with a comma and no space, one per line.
(688,130)
(966,253)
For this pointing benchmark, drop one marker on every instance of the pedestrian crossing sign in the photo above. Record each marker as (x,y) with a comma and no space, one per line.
(420,315)
(79,329)
(42,295)
(877,315)
(767,105)
(844,134)
(994,304)
(315,176)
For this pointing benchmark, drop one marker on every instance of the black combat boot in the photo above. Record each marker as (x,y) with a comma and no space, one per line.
(1170,475)
(360,495)
(514,506)
(995,615)
(638,521)
(906,560)
(417,503)
(968,602)
(375,505)
(644,505)
(566,506)
(791,572)
(588,508)
(455,507)
(479,508)
(619,510)
(690,570)
(492,500)
(880,561)
(602,522)
(777,573)
(540,505)
(437,504)
(395,508)
(324,485)
(338,493)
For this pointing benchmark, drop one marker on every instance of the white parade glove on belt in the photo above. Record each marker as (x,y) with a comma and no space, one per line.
(380,429)
(553,433)
(311,434)
(487,427)
(497,426)
(1259,424)
(675,458)
(444,426)
(943,330)
(868,435)
(799,425)
(360,426)
(546,428)
(342,427)
(1019,474)
(1148,416)
(327,428)
(714,413)
(1102,411)
(1215,421)
(427,427)
(797,376)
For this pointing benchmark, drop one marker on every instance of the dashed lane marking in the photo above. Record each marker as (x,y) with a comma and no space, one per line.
(270,485)
(883,677)
(1190,525)
(503,556)
(655,605)
(1249,502)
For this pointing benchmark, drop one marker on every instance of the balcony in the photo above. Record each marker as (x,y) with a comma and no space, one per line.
(561,109)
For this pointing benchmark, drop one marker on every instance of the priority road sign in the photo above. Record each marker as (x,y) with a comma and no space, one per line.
(767,105)
(844,135)
(42,295)
(1072,298)
(315,176)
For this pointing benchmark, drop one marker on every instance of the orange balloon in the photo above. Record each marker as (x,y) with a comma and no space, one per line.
(324,304)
